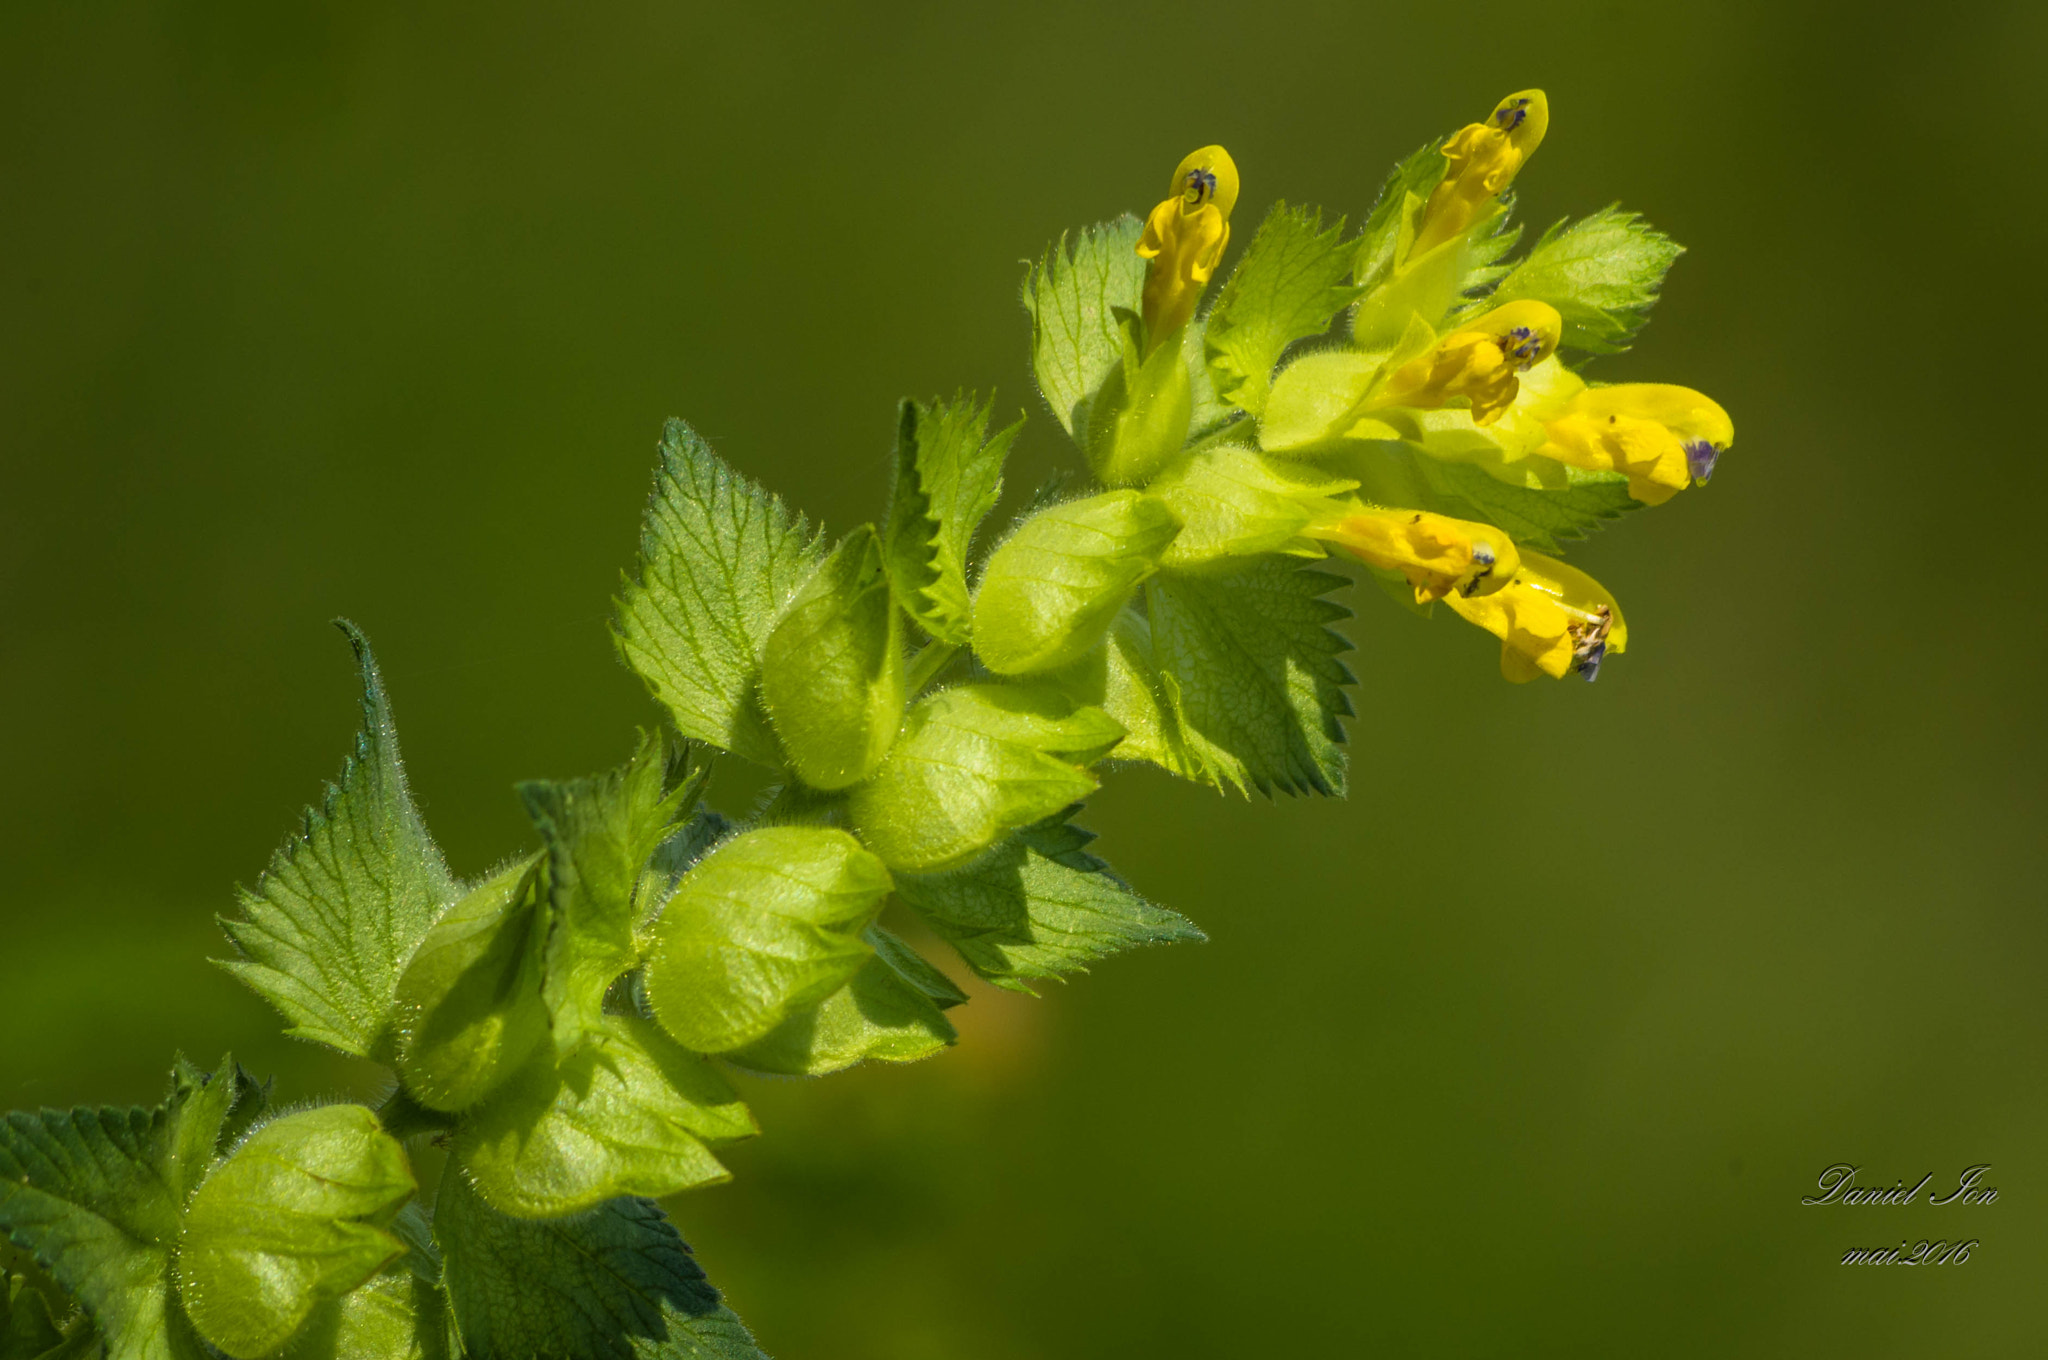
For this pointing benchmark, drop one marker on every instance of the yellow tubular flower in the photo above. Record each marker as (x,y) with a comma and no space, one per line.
(1483,160)
(1551,620)
(1184,239)
(1663,437)
(1478,361)
(1440,556)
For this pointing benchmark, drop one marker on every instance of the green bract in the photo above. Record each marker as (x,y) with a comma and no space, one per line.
(1052,589)
(293,1218)
(832,675)
(566,1026)
(762,927)
(976,762)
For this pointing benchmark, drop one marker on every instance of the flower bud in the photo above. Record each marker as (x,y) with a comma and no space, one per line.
(1483,159)
(1438,555)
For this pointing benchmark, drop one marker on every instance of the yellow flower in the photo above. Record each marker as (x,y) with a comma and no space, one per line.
(1184,239)
(1551,620)
(1662,436)
(1479,361)
(1440,556)
(1483,160)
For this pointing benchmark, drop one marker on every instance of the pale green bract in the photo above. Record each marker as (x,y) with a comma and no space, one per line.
(329,927)
(763,926)
(832,676)
(1052,589)
(294,1217)
(891,1011)
(974,763)
(627,1112)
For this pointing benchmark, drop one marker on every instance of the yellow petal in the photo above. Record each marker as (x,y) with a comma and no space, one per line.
(1552,619)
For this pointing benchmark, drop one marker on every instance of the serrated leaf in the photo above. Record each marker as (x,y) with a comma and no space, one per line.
(627,1113)
(1039,906)
(615,1283)
(1602,273)
(974,763)
(891,1011)
(1249,666)
(470,1001)
(832,675)
(1413,178)
(719,560)
(330,925)
(946,478)
(764,926)
(1050,592)
(1073,294)
(1287,288)
(293,1219)
(600,834)
(94,1197)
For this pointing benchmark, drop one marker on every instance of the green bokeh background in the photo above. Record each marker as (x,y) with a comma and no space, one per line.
(1530,1048)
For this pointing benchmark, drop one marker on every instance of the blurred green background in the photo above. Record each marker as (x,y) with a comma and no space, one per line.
(1530,1048)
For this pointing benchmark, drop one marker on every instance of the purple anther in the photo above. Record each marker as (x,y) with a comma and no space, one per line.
(1511,117)
(1699,459)
(1202,184)
(1587,661)
(1525,346)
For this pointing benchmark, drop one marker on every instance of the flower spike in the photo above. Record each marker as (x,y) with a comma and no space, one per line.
(1184,239)
(1479,361)
(1438,555)
(1483,160)
(1664,437)
(1552,620)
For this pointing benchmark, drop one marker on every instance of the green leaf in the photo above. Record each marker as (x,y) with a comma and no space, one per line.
(1122,679)
(400,1314)
(890,1012)
(1073,295)
(1208,413)
(627,1113)
(947,476)
(1543,517)
(1249,666)
(1287,287)
(26,1330)
(1410,181)
(293,1219)
(1602,273)
(615,1283)
(471,998)
(94,1197)
(974,763)
(764,926)
(1039,906)
(600,834)
(1051,591)
(719,560)
(331,924)
(832,677)
(1238,502)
